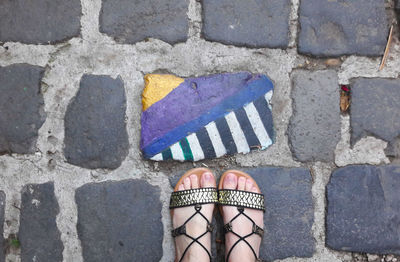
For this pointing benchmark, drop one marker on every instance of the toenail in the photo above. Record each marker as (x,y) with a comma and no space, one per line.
(230,177)
(207,176)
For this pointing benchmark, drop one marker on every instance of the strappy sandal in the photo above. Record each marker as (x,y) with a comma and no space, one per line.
(241,200)
(196,198)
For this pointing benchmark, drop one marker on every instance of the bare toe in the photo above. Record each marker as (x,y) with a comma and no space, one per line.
(207,180)
(241,183)
(194,181)
(230,181)
(186,183)
(249,184)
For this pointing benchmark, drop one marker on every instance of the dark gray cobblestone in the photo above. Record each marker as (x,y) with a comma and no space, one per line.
(250,23)
(289,212)
(39,21)
(335,28)
(133,21)
(120,221)
(2,244)
(95,127)
(397,9)
(21,108)
(314,128)
(375,110)
(38,232)
(364,209)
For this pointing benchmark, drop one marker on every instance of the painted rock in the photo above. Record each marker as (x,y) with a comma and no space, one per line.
(205,117)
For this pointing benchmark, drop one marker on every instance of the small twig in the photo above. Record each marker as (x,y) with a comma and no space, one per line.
(387,49)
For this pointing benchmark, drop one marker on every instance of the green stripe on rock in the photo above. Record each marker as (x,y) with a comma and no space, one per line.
(167,154)
(187,152)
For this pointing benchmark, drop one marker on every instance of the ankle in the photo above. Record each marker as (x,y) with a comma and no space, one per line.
(242,252)
(242,256)
(195,255)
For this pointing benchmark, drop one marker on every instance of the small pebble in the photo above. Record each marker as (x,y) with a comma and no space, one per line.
(372,257)
(155,165)
(333,62)
(94,174)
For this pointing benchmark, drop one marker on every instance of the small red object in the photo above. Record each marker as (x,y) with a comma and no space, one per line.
(345,88)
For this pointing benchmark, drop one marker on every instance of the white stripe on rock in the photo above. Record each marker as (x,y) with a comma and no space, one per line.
(195,146)
(237,133)
(268,97)
(157,157)
(257,125)
(177,152)
(216,140)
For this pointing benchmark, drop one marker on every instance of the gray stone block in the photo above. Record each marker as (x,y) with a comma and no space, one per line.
(364,209)
(120,221)
(134,21)
(95,128)
(397,10)
(38,232)
(251,23)
(21,107)
(314,128)
(346,27)
(2,244)
(289,212)
(375,109)
(39,21)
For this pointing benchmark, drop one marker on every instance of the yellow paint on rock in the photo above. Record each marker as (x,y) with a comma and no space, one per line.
(157,87)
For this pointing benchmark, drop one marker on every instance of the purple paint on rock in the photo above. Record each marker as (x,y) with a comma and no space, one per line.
(192,98)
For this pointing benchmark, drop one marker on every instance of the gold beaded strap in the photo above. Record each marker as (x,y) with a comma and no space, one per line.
(240,198)
(192,197)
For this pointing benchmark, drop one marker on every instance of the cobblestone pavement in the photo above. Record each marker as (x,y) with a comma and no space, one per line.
(74,185)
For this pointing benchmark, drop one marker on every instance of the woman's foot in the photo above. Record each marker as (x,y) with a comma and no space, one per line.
(197,225)
(241,225)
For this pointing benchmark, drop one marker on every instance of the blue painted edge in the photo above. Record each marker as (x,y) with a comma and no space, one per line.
(250,92)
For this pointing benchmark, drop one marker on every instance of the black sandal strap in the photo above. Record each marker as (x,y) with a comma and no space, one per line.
(192,197)
(179,231)
(182,231)
(256,230)
(233,197)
